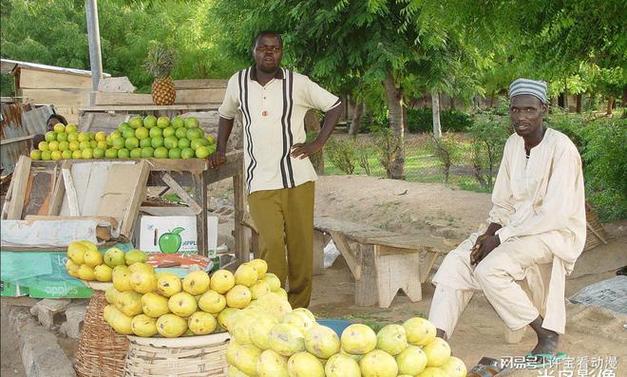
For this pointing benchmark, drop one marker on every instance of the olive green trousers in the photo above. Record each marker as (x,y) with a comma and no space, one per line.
(284,220)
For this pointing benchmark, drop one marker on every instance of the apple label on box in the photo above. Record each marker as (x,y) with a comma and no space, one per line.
(175,234)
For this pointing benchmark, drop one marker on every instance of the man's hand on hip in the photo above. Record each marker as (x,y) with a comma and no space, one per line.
(305,150)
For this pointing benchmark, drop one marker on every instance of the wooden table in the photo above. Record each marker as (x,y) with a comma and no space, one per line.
(382,262)
(195,173)
(175,174)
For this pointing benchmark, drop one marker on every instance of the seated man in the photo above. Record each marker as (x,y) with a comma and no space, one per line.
(538,217)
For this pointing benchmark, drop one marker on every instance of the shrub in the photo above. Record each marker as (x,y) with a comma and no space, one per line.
(489,134)
(421,120)
(386,146)
(342,153)
(447,150)
(605,167)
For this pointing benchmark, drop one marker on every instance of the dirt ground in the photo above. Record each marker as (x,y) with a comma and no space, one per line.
(435,210)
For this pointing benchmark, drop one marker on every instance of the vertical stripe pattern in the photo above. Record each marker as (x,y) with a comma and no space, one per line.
(287,173)
(243,98)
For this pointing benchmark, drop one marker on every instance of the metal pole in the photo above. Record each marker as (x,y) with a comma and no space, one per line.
(95,56)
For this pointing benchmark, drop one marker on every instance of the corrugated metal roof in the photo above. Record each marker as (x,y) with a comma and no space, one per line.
(8,65)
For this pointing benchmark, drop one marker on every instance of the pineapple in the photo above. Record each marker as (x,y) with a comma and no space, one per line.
(159,63)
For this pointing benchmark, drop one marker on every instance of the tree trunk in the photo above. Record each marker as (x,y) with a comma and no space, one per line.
(397,126)
(358,110)
(452,106)
(312,125)
(579,103)
(610,105)
(435,110)
(566,96)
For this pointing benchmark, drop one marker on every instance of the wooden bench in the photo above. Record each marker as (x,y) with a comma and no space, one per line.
(382,262)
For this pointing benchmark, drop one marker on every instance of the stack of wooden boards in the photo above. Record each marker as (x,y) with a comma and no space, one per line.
(108,192)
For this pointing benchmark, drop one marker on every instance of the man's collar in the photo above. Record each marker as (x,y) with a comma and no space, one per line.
(279,75)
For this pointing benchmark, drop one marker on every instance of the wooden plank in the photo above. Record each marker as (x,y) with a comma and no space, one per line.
(185,96)
(184,195)
(32,78)
(166,211)
(16,139)
(193,165)
(107,98)
(320,240)
(66,97)
(70,192)
(21,175)
(123,194)
(396,271)
(349,254)
(143,108)
(39,192)
(428,260)
(7,200)
(199,84)
(100,219)
(366,286)
(200,194)
(242,245)
(58,193)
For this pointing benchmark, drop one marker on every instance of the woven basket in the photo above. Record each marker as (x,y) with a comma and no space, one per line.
(194,356)
(101,351)
(596,234)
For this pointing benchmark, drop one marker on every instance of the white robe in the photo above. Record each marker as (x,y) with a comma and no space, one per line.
(536,199)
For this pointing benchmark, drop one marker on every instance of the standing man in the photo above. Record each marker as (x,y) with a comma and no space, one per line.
(279,176)
(538,218)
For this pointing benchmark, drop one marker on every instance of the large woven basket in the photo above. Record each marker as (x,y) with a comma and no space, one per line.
(101,351)
(194,356)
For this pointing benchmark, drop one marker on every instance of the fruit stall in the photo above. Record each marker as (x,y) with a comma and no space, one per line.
(166,312)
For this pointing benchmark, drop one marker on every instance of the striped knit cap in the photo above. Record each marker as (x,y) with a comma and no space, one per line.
(526,86)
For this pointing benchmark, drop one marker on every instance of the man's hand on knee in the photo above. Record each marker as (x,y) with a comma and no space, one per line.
(483,247)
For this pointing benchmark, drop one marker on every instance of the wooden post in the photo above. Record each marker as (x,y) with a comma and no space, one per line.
(366,286)
(200,193)
(242,246)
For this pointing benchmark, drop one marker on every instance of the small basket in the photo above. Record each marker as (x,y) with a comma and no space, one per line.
(193,356)
(101,351)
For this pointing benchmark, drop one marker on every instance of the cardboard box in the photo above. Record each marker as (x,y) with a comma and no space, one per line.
(175,234)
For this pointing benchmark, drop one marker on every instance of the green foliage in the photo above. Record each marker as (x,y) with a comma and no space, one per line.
(7,85)
(54,32)
(605,159)
(448,150)
(386,145)
(420,120)
(343,154)
(489,133)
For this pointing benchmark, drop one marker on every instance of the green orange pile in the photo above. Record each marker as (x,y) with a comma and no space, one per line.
(149,137)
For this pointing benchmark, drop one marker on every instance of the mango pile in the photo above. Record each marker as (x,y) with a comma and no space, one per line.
(148,137)
(146,303)
(268,339)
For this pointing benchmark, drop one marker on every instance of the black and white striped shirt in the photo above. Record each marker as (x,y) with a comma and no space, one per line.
(273,116)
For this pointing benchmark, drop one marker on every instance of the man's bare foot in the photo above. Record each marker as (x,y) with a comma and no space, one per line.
(547,339)
(440,334)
